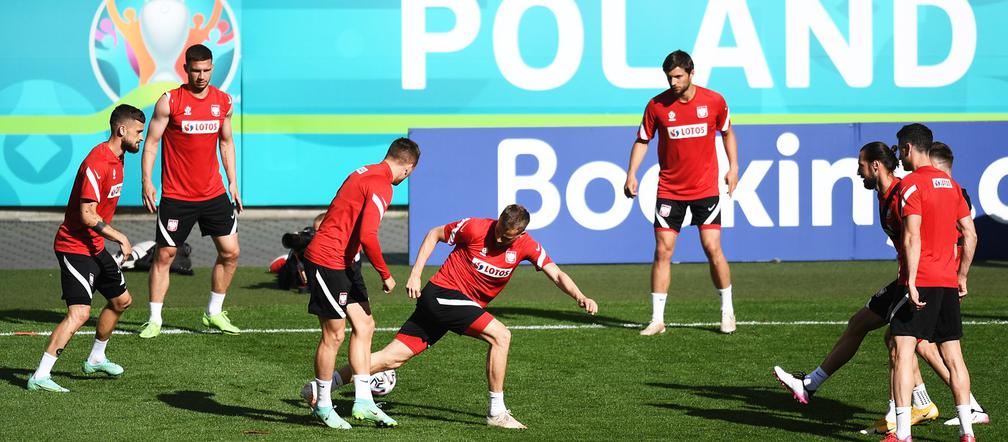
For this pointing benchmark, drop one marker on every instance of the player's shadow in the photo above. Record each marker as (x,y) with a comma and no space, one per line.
(398,409)
(55,317)
(769,407)
(204,402)
(18,377)
(576,316)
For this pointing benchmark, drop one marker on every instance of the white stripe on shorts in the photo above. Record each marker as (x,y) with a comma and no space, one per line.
(328,295)
(443,301)
(80,278)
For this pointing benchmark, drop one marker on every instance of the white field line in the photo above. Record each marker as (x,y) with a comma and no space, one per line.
(176,331)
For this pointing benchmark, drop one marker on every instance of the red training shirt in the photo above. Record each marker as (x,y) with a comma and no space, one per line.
(351,224)
(686,147)
(99,179)
(938,200)
(892,224)
(189,167)
(476,267)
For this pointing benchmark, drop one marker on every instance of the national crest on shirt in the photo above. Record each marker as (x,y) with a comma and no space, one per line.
(511,257)
(215,110)
(701,111)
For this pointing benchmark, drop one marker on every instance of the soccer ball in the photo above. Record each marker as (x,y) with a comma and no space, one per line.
(383,382)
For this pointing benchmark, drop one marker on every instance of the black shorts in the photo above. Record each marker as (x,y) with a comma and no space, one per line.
(673,214)
(437,311)
(80,275)
(884,301)
(938,321)
(175,219)
(332,290)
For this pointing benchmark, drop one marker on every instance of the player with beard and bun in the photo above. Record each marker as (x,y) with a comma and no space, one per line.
(85,265)
(685,118)
(934,214)
(193,120)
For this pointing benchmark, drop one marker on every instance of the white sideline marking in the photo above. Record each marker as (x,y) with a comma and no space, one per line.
(267,331)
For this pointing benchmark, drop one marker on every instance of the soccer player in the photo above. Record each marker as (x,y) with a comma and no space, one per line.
(84,263)
(486,253)
(934,213)
(332,264)
(685,117)
(193,120)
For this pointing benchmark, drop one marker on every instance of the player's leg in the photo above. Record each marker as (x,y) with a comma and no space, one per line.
(803,386)
(710,239)
(499,338)
(668,219)
(333,333)
(902,382)
(947,334)
(175,219)
(924,409)
(393,356)
(364,407)
(219,220)
(112,285)
(908,325)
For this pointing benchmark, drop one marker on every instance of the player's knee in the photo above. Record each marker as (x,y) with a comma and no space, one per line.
(333,339)
(78,314)
(230,254)
(121,303)
(364,326)
(165,255)
(663,254)
(502,338)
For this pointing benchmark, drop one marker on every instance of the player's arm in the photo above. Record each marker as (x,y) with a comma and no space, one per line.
(370,220)
(227,153)
(158,123)
(912,250)
(433,237)
(969,234)
(731,151)
(637,153)
(90,218)
(568,286)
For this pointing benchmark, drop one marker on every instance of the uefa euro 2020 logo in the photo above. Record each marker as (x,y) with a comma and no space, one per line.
(138,42)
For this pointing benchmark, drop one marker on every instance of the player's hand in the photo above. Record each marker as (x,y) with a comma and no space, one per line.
(233,189)
(915,298)
(962,287)
(413,287)
(630,188)
(149,196)
(127,249)
(588,304)
(388,285)
(731,179)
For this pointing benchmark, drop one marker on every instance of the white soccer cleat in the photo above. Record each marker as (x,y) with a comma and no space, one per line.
(309,394)
(979,417)
(653,328)
(727,322)
(795,383)
(505,420)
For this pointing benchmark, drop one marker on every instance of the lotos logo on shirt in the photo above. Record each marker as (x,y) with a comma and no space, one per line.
(115,191)
(200,126)
(939,183)
(687,131)
(490,270)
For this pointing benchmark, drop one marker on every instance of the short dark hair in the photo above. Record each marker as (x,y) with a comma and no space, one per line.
(514,216)
(916,134)
(404,150)
(678,59)
(123,114)
(941,153)
(879,151)
(197,52)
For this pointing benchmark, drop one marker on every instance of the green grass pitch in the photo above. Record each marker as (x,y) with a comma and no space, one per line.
(597,380)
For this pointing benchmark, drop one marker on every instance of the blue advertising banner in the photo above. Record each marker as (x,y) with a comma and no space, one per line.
(799,196)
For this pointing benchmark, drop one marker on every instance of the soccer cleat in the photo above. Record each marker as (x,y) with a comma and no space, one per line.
(967,438)
(505,420)
(108,367)
(881,426)
(891,437)
(795,383)
(45,384)
(653,328)
(221,322)
(923,415)
(329,417)
(150,330)
(727,322)
(369,411)
(979,417)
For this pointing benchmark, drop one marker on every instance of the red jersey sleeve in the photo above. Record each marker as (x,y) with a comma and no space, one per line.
(647,126)
(536,254)
(723,119)
(90,183)
(963,210)
(376,202)
(910,200)
(457,233)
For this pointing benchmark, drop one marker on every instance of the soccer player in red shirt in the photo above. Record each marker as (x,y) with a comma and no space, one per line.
(934,214)
(84,263)
(685,118)
(193,120)
(332,265)
(486,254)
